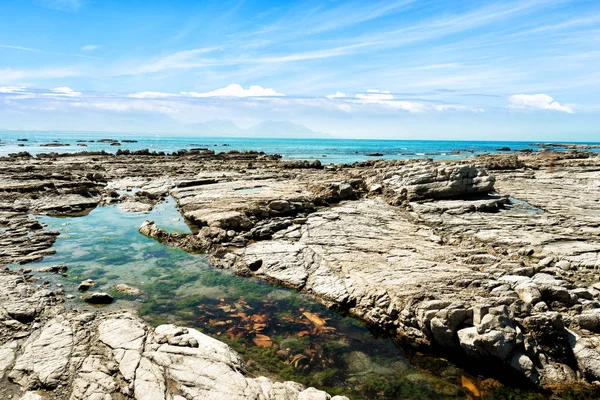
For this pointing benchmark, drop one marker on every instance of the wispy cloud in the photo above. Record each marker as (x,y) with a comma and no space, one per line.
(537,102)
(12,89)
(9,75)
(62,5)
(180,60)
(90,47)
(336,95)
(33,50)
(63,91)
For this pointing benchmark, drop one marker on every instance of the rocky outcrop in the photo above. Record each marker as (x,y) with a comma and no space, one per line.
(423,249)
(429,180)
(81,356)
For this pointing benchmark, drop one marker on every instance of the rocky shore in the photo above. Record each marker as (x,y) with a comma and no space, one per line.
(494,260)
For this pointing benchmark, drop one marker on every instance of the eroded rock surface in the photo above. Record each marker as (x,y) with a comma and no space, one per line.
(501,269)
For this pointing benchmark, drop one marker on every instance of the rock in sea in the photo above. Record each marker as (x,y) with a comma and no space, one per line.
(98,298)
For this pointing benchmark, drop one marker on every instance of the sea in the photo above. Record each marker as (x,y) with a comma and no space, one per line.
(328,151)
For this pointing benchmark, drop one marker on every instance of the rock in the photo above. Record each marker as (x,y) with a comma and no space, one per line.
(525,366)
(135,206)
(493,343)
(31,396)
(549,331)
(45,358)
(586,354)
(359,363)
(129,290)
(54,269)
(86,285)
(429,181)
(526,251)
(564,265)
(479,311)
(590,320)
(98,298)
(7,356)
(528,292)
(313,394)
(280,205)
(546,262)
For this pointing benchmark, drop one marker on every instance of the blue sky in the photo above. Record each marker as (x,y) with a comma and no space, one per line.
(409,69)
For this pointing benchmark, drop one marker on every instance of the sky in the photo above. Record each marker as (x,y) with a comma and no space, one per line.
(404,69)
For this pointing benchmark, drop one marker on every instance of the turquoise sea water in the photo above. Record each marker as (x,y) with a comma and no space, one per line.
(326,150)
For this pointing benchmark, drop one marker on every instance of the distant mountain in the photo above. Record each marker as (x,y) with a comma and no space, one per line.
(268,129)
(215,127)
(284,129)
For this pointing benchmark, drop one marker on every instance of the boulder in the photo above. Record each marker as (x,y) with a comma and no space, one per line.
(586,354)
(432,181)
(98,298)
(493,343)
(590,320)
(54,269)
(84,286)
(128,290)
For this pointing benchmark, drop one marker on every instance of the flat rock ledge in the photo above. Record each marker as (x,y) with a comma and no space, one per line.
(48,352)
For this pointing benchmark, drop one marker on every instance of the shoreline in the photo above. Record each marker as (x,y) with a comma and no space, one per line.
(298,208)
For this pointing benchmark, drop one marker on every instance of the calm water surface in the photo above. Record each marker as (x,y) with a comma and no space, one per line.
(326,150)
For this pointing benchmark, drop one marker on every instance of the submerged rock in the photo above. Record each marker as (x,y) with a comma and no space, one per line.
(98,298)
(86,285)
(129,290)
(54,269)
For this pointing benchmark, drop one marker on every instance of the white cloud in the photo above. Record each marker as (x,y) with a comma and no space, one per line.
(375,96)
(336,95)
(9,75)
(64,91)
(235,90)
(386,99)
(382,100)
(124,106)
(456,107)
(537,102)
(12,89)
(90,47)
(151,95)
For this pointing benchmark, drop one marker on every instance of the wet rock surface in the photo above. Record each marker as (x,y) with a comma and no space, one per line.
(499,268)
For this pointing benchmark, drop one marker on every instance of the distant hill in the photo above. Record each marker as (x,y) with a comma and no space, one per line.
(266,129)
(284,129)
